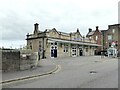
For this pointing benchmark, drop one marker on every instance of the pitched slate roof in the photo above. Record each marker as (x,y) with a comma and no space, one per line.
(90,33)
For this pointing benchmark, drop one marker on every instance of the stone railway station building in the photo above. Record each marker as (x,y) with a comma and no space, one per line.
(52,43)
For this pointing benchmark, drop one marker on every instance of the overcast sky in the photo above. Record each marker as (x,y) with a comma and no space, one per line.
(17,17)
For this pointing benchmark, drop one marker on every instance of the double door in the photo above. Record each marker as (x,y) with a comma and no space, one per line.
(74,51)
(54,51)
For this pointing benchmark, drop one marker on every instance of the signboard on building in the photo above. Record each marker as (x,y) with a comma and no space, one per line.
(113,43)
(77,39)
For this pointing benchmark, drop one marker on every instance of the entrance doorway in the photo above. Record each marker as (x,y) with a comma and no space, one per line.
(74,51)
(54,51)
(81,52)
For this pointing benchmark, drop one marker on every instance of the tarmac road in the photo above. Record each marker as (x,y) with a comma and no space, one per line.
(78,72)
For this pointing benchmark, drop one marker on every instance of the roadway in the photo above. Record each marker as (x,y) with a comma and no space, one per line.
(77,72)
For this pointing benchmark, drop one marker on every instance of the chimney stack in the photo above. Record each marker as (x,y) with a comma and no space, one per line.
(77,29)
(36,26)
(90,30)
(97,27)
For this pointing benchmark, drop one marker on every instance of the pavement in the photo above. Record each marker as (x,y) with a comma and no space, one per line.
(46,67)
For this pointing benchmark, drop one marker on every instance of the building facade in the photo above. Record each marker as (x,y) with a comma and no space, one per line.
(119,41)
(111,36)
(104,40)
(96,35)
(52,43)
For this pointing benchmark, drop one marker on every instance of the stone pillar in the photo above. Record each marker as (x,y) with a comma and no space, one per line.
(35,57)
(83,50)
(70,49)
(77,50)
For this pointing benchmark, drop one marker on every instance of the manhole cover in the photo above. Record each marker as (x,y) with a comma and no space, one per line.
(96,61)
(93,72)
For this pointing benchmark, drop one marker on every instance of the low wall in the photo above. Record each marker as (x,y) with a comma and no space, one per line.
(10,60)
(15,60)
(28,61)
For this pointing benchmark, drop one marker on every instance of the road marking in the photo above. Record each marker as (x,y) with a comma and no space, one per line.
(59,68)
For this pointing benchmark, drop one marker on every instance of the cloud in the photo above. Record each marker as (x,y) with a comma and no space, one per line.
(18,16)
(13,27)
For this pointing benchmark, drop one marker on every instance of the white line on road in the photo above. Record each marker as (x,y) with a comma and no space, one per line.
(57,69)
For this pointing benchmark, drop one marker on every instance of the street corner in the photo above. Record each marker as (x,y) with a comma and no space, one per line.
(54,69)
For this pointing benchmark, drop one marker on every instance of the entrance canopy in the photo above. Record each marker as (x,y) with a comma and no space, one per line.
(72,42)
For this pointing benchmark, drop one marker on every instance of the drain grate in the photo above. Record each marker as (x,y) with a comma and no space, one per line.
(93,72)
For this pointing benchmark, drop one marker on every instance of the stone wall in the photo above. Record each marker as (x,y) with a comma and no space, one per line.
(15,60)
(10,60)
(28,61)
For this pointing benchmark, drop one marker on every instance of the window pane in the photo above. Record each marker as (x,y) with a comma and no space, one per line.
(96,37)
(109,37)
(55,43)
(113,30)
(51,43)
(66,50)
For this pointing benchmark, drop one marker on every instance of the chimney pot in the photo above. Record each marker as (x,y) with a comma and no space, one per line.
(90,30)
